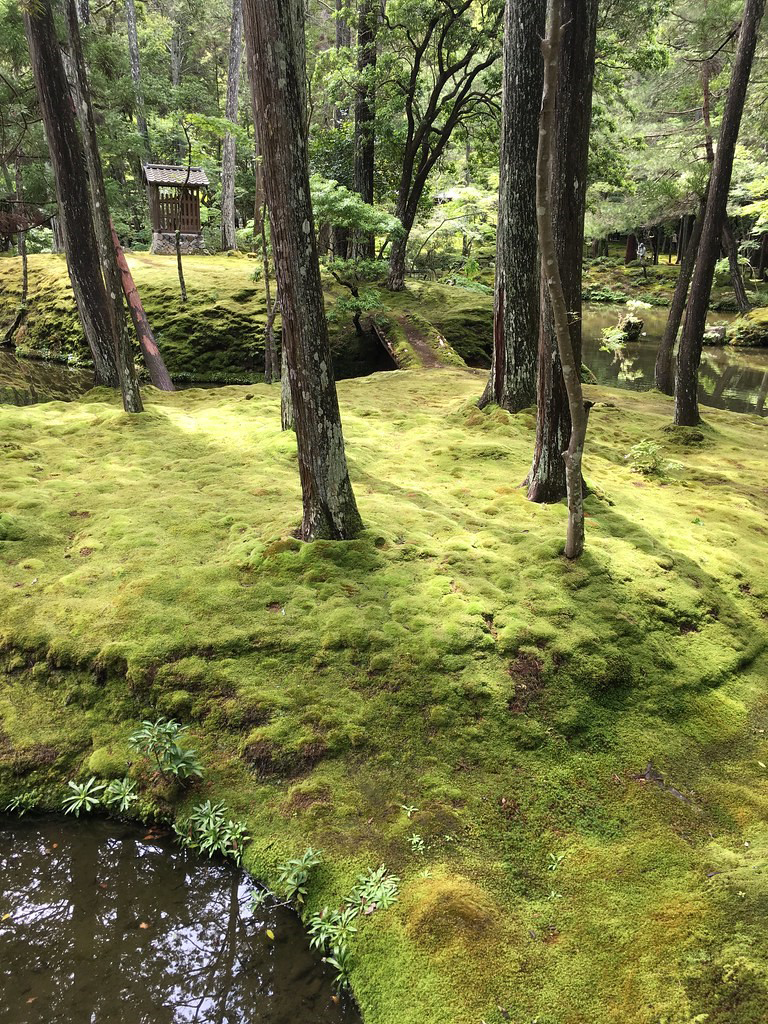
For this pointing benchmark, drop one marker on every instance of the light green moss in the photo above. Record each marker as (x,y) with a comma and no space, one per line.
(448,659)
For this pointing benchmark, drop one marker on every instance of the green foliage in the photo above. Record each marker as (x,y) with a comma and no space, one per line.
(339,206)
(647,458)
(293,875)
(23,801)
(158,740)
(85,796)
(210,830)
(376,889)
(120,794)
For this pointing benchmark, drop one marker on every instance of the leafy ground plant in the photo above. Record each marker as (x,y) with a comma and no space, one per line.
(85,796)
(158,740)
(23,802)
(120,794)
(647,458)
(210,830)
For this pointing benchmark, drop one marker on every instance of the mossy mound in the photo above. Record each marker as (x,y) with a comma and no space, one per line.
(751,329)
(579,749)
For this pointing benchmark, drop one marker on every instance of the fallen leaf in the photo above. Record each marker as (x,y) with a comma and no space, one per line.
(31,999)
(761,764)
(5,917)
(144,924)
(270,934)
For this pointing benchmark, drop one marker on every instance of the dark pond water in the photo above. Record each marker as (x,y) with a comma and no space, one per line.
(729,378)
(104,924)
(27,381)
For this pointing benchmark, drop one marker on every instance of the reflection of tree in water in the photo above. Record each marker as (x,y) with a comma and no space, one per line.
(114,927)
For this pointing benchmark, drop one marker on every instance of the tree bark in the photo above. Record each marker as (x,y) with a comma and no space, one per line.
(573,118)
(737,279)
(630,253)
(158,373)
(512,380)
(126,371)
(274,31)
(664,370)
(689,352)
(21,245)
(70,175)
(365,114)
(138,89)
(228,233)
(271,370)
(550,48)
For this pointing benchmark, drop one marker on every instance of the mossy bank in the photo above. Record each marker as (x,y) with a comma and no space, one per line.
(581,747)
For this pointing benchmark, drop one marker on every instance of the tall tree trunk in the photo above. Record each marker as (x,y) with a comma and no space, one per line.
(365,114)
(512,380)
(70,175)
(275,31)
(664,371)
(129,384)
(228,234)
(573,119)
(340,234)
(689,352)
(138,89)
(396,274)
(154,362)
(21,245)
(271,369)
(737,279)
(571,366)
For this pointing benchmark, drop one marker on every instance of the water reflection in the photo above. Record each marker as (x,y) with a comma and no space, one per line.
(113,925)
(729,378)
(28,381)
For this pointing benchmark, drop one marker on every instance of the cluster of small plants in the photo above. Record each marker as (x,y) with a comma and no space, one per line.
(602,293)
(331,930)
(23,801)
(647,458)
(117,796)
(159,741)
(210,830)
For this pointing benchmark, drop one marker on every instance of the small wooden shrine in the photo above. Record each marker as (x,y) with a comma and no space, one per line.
(174,202)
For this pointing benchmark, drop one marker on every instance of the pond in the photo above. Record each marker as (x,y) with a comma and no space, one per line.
(101,922)
(729,378)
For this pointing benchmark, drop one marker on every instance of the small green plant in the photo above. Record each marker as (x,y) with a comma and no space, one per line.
(417,843)
(332,929)
(294,875)
(555,860)
(23,802)
(159,740)
(209,830)
(647,458)
(120,794)
(377,889)
(84,796)
(409,809)
(340,961)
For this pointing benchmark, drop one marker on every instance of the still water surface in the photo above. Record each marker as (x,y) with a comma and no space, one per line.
(111,925)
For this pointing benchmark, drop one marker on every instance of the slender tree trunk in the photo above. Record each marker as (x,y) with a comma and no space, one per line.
(70,175)
(689,352)
(396,276)
(365,114)
(129,384)
(630,253)
(737,279)
(21,245)
(550,48)
(158,373)
(340,234)
(275,31)
(761,261)
(138,89)
(573,118)
(664,371)
(287,421)
(271,369)
(512,380)
(228,233)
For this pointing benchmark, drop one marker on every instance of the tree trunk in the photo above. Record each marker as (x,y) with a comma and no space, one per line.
(573,118)
(129,384)
(689,352)
(512,380)
(158,373)
(286,398)
(274,30)
(70,175)
(761,262)
(21,245)
(228,233)
(365,113)
(737,280)
(271,370)
(664,371)
(630,253)
(138,90)
(571,366)
(396,275)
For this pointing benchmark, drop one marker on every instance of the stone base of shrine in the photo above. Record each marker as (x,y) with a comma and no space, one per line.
(164,243)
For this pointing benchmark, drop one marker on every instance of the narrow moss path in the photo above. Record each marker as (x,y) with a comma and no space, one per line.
(582,747)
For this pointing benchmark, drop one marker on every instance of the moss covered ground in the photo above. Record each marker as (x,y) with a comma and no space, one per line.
(585,745)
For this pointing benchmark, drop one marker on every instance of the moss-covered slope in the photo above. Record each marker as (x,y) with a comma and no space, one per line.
(585,744)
